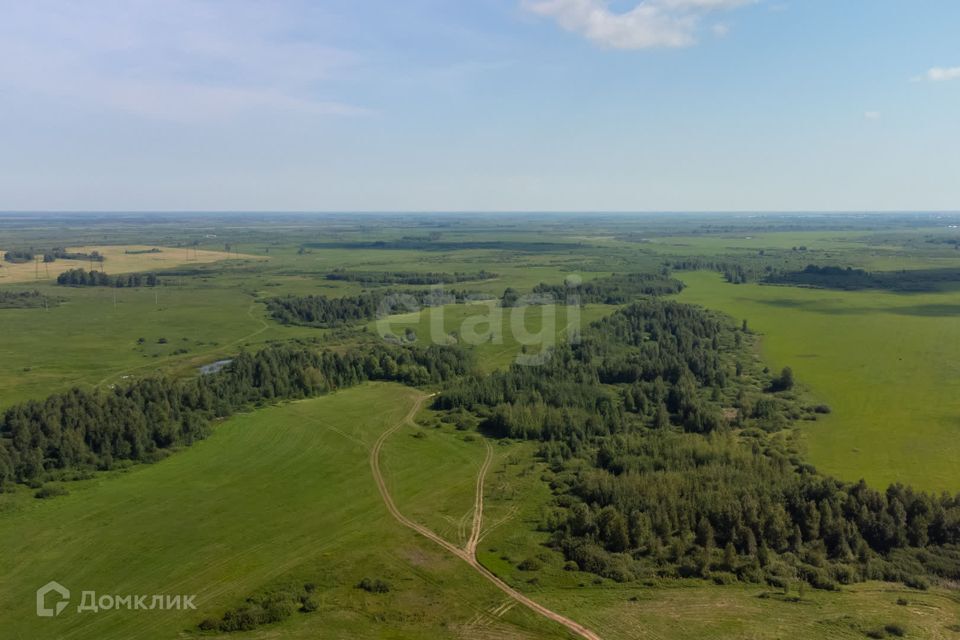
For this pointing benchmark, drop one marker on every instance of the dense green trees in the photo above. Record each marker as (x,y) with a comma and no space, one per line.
(850,279)
(60,253)
(89,430)
(663,463)
(660,354)
(741,502)
(321,311)
(24,255)
(18,256)
(84,278)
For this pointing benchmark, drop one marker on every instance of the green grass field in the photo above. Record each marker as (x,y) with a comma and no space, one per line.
(278,496)
(888,364)
(93,337)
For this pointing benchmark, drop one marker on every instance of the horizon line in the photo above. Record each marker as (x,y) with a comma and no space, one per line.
(747,212)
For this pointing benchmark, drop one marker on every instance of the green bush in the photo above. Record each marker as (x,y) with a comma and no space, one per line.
(50,491)
(375,585)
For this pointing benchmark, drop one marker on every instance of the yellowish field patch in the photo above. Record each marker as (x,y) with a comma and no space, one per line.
(116,260)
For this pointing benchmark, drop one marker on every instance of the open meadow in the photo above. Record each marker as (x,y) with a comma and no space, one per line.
(888,365)
(258,506)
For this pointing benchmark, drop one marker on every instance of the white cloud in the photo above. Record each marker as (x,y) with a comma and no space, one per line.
(649,24)
(720,30)
(940,74)
(872,115)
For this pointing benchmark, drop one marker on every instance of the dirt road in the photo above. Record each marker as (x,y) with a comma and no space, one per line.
(474,539)
(467,554)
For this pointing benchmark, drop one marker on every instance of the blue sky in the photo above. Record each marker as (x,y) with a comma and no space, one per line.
(574,105)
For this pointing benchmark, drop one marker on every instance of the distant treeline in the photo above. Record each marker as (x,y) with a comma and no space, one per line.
(427,244)
(140,252)
(18,256)
(734,272)
(408,277)
(660,455)
(955,241)
(616,289)
(850,279)
(321,311)
(26,300)
(57,253)
(85,430)
(84,278)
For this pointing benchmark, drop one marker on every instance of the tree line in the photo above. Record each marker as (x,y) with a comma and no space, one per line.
(615,289)
(734,271)
(19,256)
(84,278)
(322,311)
(850,279)
(86,430)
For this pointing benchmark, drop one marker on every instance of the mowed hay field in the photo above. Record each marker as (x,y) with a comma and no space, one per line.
(888,364)
(116,260)
(278,497)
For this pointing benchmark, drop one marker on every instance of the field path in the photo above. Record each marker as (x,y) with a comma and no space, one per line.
(471,547)
(467,554)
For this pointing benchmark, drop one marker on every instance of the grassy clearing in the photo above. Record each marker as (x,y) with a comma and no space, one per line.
(700,611)
(280,496)
(94,338)
(888,364)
